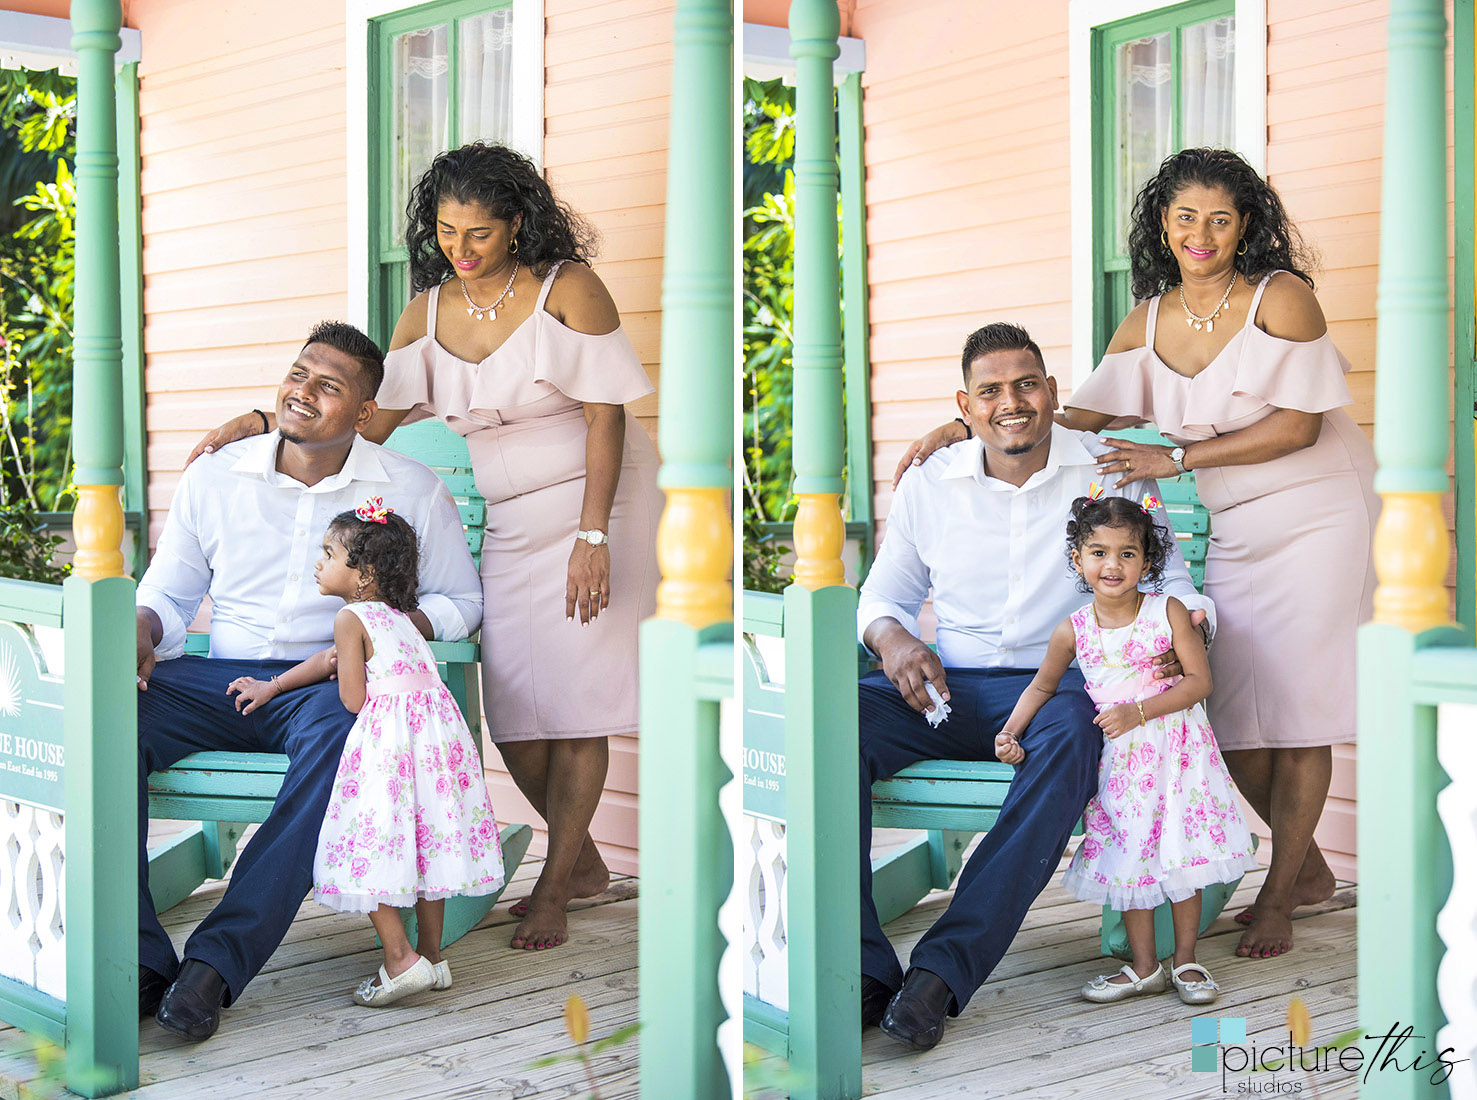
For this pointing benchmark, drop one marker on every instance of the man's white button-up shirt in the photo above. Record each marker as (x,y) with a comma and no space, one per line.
(994,555)
(250,536)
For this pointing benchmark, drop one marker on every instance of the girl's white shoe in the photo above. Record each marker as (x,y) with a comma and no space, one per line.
(442,971)
(420,977)
(1195,992)
(1102,991)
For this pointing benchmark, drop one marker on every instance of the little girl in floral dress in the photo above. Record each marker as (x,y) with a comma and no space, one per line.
(1164,823)
(409,822)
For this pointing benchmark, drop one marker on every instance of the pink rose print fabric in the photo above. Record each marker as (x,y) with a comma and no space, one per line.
(409,816)
(1164,822)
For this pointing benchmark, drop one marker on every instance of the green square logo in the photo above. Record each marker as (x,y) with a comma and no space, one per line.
(1204,1059)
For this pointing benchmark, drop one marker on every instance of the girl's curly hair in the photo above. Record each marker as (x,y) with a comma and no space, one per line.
(385,553)
(505,183)
(1272,241)
(1089,514)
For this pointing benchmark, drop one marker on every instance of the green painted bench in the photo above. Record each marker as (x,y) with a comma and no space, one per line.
(223,792)
(952,800)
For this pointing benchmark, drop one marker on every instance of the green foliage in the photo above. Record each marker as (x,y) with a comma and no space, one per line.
(37,284)
(764,570)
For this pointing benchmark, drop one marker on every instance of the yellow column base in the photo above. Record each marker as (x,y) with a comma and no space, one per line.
(1411,554)
(820,534)
(694,547)
(97,525)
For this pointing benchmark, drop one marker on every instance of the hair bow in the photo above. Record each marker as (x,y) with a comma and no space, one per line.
(373,510)
(1150,502)
(1094,491)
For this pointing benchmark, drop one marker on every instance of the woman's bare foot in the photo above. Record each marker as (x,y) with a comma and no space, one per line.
(544,926)
(1269,935)
(590,878)
(1315,883)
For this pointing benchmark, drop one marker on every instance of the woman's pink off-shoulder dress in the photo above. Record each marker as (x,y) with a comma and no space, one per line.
(522,414)
(1290,563)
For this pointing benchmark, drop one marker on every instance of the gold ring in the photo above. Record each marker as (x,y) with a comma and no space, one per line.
(1127,465)
(595,592)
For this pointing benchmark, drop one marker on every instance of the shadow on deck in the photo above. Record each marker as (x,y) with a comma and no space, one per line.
(295,1035)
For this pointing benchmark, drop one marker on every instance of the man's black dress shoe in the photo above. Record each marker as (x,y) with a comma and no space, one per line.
(151,987)
(875,996)
(192,1007)
(916,1015)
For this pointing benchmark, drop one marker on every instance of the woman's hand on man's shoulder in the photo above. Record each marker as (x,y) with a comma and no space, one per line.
(1290,310)
(579,300)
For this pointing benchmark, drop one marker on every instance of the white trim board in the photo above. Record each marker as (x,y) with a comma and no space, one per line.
(45,42)
(767,53)
(1251,132)
(528,119)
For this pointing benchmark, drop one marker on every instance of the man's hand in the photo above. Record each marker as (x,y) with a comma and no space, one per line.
(1167,664)
(1008,750)
(1116,721)
(253,692)
(908,663)
(148,630)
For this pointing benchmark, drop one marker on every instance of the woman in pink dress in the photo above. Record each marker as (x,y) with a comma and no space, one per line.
(516,345)
(1228,354)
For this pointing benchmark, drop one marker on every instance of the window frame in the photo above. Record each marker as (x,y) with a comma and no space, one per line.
(370,25)
(1088,22)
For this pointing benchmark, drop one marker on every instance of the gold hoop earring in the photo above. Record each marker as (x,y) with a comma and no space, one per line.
(1242,250)
(513,248)
(1164,237)
(359,589)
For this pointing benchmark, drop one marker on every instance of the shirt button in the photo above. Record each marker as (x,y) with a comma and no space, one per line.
(283,619)
(294,576)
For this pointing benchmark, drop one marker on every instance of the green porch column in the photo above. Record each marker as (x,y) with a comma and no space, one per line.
(100,716)
(687,851)
(820,614)
(1405,863)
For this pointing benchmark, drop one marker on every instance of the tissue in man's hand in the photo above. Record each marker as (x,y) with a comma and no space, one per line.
(940,711)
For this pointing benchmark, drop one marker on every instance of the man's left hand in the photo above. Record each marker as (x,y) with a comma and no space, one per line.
(1167,664)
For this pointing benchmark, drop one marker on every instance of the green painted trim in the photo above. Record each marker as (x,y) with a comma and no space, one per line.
(1464,73)
(31,602)
(101,871)
(766,1027)
(686,875)
(177,867)
(1404,855)
(821,812)
(764,613)
(131,311)
(855,324)
(33,1011)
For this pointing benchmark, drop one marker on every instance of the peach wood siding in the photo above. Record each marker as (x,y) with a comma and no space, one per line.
(244,218)
(968,214)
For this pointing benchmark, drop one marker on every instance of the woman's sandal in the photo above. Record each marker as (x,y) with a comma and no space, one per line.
(442,971)
(420,977)
(1194,992)
(1102,991)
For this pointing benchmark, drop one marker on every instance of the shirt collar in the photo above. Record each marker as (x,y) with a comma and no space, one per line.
(1065,448)
(259,458)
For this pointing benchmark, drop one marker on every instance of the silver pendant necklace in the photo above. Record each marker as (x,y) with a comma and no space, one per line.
(1206,323)
(491,311)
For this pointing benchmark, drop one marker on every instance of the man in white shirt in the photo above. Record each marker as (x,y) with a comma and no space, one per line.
(982,524)
(245,527)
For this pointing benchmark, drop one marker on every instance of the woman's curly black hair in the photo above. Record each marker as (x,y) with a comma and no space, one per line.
(1272,241)
(1089,514)
(385,553)
(506,184)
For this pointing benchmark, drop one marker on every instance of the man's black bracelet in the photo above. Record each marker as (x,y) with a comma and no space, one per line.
(968,434)
(265,427)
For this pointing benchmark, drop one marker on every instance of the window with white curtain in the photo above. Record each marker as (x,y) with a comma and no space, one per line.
(1165,81)
(444,77)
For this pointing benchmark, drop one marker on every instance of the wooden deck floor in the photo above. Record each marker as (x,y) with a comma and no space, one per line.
(1026,1033)
(295,1035)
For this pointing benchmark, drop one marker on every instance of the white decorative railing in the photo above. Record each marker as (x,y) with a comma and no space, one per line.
(32,940)
(761,869)
(1456,980)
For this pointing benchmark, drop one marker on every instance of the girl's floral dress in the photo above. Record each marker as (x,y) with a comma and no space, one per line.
(1164,822)
(409,816)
